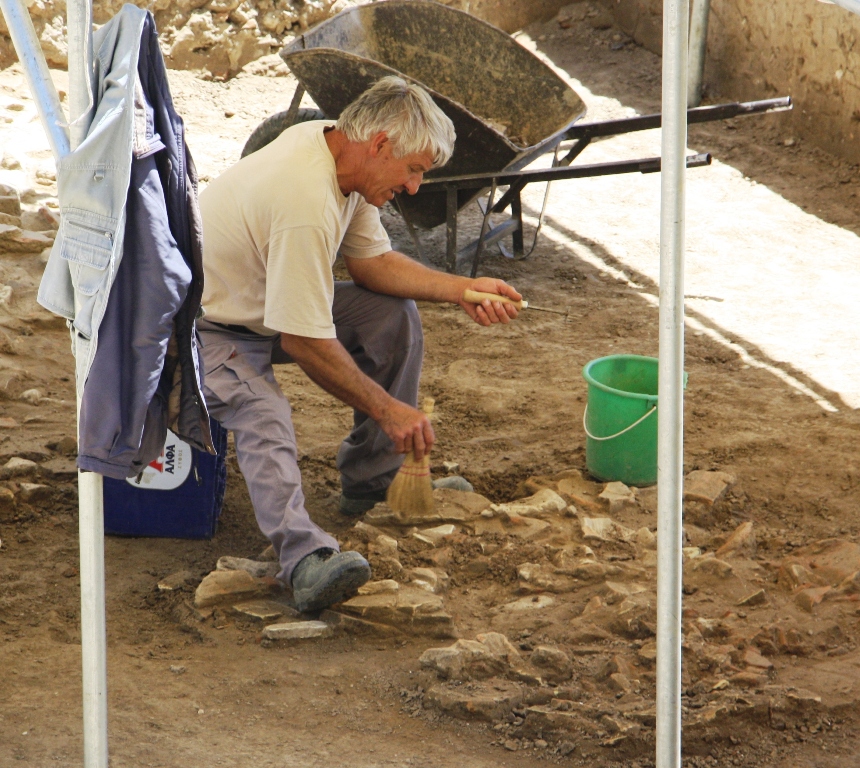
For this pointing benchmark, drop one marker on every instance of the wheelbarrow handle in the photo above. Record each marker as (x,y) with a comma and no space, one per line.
(476,297)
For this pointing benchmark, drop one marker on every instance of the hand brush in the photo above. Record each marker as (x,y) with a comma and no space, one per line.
(411,492)
(476,297)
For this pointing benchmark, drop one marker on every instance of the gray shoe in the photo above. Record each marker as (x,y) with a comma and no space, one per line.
(325,577)
(454,482)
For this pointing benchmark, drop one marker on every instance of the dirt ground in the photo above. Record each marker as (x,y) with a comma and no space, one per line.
(765,403)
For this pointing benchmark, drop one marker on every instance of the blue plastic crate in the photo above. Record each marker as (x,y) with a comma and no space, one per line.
(179,495)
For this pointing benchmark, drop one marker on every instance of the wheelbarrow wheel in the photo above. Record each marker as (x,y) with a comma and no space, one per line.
(274,126)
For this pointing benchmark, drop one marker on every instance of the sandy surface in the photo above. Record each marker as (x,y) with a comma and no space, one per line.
(772,269)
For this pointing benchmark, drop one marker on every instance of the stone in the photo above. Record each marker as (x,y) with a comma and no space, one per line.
(465,660)
(409,609)
(648,653)
(297,630)
(525,528)
(690,553)
(66,445)
(618,497)
(620,683)
(365,533)
(759,597)
(10,204)
(176,581)
(555,664)
(605,529)
(8,218)
(454,506)
(18,466)
(7,498)
(386,586)
(524,604)
(748,679)
(32,396)
(16,240)
(850,585)
(712,566)
(263,610)
(645,538)
(545,502)
(7,422)
(253,567)
(533,576)
(794,575)
(810,597)
(227,586)
(429,579)
(340,622)
(435,536)
(33,493)
(614,592)
(752,658)
(490,701)
(741,542)
(707,487)
(831,560)
(383,546)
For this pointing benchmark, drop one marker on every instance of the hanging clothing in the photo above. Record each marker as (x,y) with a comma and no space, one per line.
(126,267)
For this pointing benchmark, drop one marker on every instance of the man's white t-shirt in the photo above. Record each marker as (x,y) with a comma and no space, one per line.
(272,227)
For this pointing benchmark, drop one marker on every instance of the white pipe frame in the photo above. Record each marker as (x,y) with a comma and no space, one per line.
(29,51)
(64,136)
(670,391)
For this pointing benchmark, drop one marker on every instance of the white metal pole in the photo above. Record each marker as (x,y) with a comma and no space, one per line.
(670,393)
(90,484)
(698,49)
(26,45)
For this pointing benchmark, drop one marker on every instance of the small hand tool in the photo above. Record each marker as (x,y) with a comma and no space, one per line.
(476,297)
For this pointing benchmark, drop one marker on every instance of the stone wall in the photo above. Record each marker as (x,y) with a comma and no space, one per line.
(222,36)
(801,48)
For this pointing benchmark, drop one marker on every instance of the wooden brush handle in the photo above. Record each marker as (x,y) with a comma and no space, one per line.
(476,297)
(428,405)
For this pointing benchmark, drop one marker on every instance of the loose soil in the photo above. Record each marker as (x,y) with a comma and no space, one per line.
(510,401)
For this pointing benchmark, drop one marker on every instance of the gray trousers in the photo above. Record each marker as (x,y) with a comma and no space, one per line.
(383,335)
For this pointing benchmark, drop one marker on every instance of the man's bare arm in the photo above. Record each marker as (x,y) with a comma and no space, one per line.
(395,274)
(328,364)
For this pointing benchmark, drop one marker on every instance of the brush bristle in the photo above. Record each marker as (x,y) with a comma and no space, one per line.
(411,492)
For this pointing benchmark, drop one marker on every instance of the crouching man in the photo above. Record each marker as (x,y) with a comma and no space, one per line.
(273,225)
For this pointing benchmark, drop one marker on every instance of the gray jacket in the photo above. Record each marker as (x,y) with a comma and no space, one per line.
(126,268)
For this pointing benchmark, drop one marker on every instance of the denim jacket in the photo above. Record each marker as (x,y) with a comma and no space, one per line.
(126,267)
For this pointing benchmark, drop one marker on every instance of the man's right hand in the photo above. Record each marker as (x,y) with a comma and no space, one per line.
(330,366)
(408,428)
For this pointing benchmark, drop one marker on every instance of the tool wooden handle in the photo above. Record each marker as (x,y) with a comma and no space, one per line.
(428,405)
(476,297)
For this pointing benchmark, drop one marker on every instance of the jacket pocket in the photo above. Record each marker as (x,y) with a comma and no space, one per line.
(87,245)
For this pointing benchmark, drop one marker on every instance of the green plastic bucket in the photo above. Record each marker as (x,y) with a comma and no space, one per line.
(620,419)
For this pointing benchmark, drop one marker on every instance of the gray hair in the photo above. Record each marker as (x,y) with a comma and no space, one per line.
(406,113)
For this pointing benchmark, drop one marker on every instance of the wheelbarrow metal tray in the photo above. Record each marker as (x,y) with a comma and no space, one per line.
(507,106)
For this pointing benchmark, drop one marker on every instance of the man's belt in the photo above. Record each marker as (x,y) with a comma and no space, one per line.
(237,329)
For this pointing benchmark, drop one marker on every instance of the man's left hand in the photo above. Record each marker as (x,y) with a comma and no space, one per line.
(490,312)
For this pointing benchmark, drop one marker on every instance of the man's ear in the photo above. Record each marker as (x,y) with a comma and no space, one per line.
(377,142)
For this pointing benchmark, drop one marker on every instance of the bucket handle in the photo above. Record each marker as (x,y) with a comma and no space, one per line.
(617,434)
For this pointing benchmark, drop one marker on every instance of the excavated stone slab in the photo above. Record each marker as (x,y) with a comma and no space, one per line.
(297,630)
(489,702)
(227,586)
(707,487)
(741,542)
(618,497)
(545,502)
(264,610)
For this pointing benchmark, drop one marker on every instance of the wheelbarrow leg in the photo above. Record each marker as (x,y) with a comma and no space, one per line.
(517,215)
(451,227)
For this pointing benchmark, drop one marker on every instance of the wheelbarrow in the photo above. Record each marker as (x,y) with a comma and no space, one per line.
(508,108)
